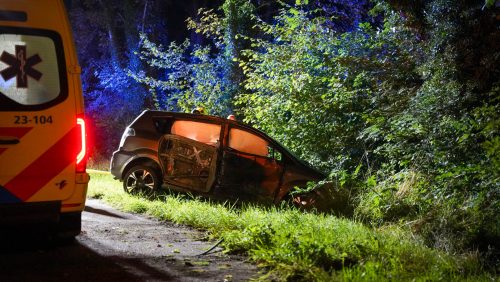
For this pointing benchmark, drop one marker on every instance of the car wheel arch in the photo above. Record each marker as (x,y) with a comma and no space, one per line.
(141,160)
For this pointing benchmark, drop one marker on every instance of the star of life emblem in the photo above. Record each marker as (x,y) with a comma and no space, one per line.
(29,72)
(20,67)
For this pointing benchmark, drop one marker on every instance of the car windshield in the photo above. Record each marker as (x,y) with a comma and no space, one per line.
(293,155)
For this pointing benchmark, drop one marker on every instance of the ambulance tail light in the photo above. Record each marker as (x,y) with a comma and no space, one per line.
(81,158)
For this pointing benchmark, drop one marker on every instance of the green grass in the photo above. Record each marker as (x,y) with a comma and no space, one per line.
(294,245)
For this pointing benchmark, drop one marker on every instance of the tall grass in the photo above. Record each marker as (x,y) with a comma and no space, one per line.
(294,245)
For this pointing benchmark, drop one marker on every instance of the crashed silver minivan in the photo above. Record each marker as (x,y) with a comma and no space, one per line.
(208,156)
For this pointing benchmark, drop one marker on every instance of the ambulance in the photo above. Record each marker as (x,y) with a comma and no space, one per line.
(43,150)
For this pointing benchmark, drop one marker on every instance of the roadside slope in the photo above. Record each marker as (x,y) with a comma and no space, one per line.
(300,246)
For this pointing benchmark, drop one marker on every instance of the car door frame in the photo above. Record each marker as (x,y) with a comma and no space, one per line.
(228,125)
(213,173)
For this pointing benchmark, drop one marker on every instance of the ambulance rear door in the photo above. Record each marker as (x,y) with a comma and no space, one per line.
(39,133)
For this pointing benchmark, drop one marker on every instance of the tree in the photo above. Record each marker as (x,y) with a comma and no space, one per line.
(197,75)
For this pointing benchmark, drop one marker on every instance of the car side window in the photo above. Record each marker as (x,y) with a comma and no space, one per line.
(207,133)
(247,142)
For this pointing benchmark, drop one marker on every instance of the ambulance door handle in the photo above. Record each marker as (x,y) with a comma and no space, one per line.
(9,141)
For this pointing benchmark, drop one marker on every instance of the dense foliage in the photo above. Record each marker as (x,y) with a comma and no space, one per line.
(407,112)
(399,104)
(197,76)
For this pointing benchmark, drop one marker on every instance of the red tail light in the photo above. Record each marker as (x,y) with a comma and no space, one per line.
(81,158)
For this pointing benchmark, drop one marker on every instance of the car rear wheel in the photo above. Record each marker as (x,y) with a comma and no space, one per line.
(141,179)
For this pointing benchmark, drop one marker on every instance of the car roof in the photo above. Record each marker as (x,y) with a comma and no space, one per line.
(149,114)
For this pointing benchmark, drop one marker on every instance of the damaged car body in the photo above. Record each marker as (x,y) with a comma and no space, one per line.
(206,155)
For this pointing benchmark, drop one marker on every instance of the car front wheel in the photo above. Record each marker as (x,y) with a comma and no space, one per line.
(141,179)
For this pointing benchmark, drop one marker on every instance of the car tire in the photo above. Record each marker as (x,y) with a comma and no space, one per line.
(142,179)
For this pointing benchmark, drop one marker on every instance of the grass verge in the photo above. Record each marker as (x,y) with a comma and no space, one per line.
(294,245)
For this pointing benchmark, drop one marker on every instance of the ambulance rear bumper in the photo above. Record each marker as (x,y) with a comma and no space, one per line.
(29,213)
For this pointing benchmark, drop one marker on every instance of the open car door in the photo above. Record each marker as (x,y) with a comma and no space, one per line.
(187,163)
(188,155)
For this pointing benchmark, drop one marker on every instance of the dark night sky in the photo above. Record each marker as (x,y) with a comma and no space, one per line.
(176,12)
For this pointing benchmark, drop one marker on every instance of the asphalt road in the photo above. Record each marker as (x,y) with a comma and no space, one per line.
(116,246)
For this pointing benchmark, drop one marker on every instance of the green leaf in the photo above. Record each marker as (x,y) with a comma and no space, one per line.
(371,181)
(357,170)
